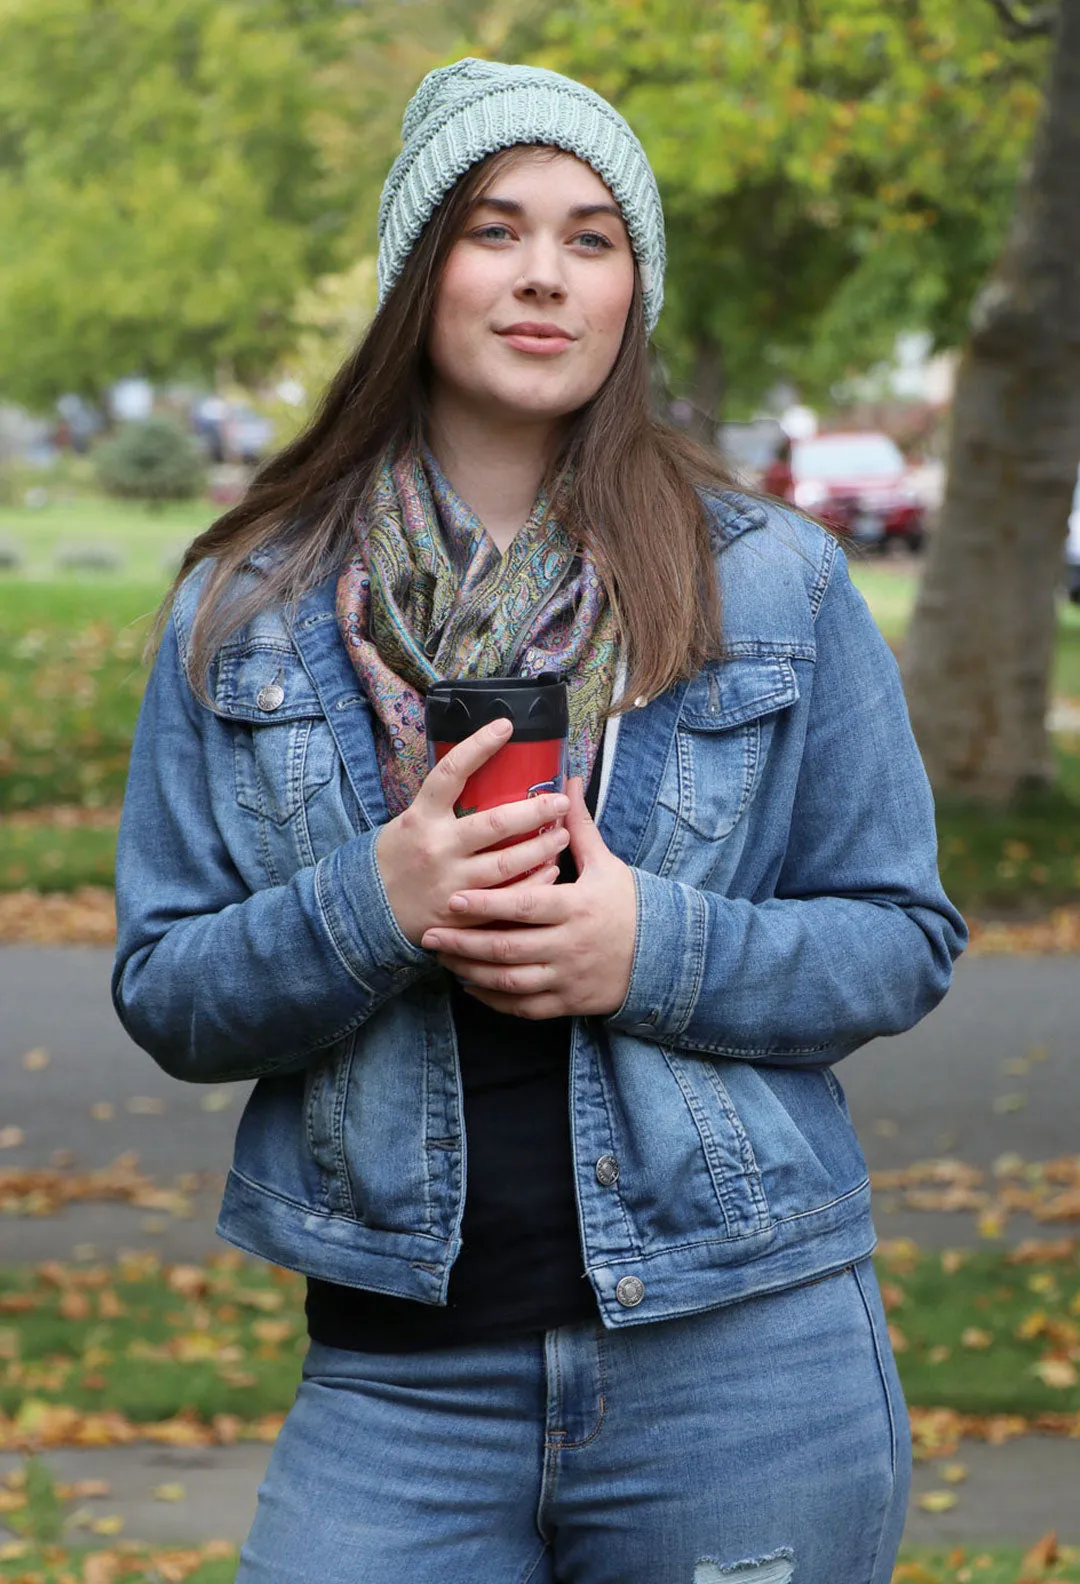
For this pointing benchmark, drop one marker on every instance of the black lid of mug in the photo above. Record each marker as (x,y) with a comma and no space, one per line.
(538,707)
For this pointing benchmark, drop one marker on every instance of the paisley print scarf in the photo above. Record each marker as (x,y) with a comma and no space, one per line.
(426,596)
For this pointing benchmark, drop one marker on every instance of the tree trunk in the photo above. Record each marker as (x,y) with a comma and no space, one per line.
(706,392)
(981,644)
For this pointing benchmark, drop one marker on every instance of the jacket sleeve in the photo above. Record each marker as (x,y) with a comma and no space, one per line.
(859,938)
(215,982)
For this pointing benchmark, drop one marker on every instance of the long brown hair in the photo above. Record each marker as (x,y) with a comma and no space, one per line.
(624,483)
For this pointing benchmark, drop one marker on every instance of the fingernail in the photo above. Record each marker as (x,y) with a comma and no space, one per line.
(458,904)
(431,941)
(503,726)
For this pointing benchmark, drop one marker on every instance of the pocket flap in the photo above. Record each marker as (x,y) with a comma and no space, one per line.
(263,684)
(730,692)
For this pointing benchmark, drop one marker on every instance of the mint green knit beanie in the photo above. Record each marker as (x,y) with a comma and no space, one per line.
(461,113)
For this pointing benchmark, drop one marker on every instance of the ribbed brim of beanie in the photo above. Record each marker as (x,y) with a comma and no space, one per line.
(461,113)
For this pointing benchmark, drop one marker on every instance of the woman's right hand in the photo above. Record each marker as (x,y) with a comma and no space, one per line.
(427,853)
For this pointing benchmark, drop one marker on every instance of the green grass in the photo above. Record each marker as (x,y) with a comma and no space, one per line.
(1022,859)
(146,544)
(229,1338)
(71,678)
(974,1564)
(122,1338)
(54,858)
(890,593)
(972,1331)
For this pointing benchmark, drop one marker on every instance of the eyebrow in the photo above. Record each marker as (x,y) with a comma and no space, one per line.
(510,206)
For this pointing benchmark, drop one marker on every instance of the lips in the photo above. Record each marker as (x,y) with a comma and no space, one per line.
(532,336)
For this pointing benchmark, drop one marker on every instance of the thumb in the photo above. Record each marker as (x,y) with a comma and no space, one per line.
(586,842)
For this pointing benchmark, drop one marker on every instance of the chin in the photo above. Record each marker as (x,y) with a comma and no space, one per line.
(533,406)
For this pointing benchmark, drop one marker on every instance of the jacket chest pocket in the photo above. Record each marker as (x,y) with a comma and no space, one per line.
(279,768)
(721,741)
(283,749)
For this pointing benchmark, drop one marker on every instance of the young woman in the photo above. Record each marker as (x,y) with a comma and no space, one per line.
(585,1223)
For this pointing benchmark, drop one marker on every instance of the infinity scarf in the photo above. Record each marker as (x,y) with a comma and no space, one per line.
(427,596)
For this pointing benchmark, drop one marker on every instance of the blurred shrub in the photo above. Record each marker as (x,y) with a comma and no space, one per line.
(151,460)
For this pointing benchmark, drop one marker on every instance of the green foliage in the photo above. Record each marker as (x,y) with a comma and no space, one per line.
(70,684)
(151,460)
(833,171)
(163,186)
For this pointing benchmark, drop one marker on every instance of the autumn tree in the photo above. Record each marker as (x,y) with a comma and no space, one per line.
(164,191)
(833,171)
(981,645)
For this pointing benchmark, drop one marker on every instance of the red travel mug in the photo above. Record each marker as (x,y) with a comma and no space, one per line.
(532,761)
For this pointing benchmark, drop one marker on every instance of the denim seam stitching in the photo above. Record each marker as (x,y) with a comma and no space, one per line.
(328,1215)
(325,916)
(889,1414)
(824,576)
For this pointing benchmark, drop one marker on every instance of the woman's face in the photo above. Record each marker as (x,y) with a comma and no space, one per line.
(532,302)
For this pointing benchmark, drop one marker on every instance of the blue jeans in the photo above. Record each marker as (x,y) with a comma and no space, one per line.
(766,1440)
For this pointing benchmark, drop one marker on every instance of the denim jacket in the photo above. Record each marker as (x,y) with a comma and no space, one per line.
(779,827)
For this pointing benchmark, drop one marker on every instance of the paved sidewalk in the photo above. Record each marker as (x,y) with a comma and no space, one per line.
(1013,1494)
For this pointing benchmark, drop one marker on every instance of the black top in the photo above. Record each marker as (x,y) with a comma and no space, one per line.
(520,1268)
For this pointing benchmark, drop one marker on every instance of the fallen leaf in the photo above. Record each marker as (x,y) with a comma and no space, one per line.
(107,1524)
(82,1490)
(171,1491)
(34,1060)
(190,1281)
(1006,1103)
(145,1105)
(990,1224)
(937,1501)
(939,1353)
(11,1137)
(102,1110)
(14,1550)
(954,1473)
(216,1100)
(885,1127)
(1056,1372)
(1042,1555)
(975,1337)
(952,1260)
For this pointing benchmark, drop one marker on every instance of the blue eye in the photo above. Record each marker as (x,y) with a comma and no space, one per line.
(495,233)
(595,242)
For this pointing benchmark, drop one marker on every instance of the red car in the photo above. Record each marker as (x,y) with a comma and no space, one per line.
(858,483)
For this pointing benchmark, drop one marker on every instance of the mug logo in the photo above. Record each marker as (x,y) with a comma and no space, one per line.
(541,787)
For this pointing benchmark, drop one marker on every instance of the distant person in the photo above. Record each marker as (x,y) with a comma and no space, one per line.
(586,1226)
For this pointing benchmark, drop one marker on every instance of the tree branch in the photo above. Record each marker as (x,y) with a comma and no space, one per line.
(1036,22)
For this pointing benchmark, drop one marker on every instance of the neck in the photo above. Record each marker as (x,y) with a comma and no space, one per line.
(495,466)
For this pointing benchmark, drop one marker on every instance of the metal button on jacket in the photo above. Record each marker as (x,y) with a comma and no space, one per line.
(270,697)
(630,1291)
(607,1171)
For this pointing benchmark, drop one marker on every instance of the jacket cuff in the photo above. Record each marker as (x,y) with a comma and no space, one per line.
(360,921)
(669,959)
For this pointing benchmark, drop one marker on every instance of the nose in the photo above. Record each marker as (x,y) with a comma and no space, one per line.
(542,278)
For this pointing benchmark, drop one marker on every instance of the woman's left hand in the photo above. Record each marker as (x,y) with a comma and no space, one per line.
(575,957)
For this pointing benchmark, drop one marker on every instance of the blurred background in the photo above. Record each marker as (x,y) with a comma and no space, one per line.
(873,311)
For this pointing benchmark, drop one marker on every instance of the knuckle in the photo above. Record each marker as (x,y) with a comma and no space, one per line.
(506,864)
(526,904)
(502,949)
(497,822)
(506,981)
